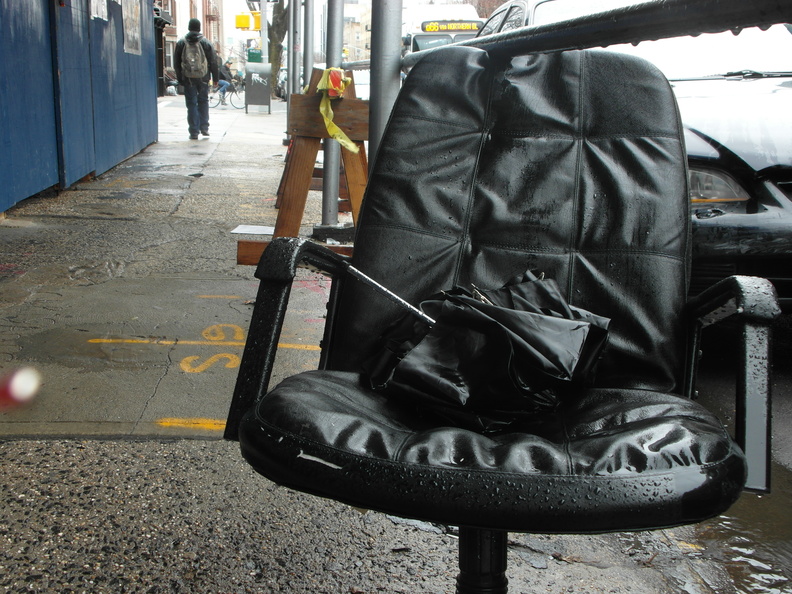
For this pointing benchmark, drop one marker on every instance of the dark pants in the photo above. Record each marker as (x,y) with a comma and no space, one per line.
(196,96)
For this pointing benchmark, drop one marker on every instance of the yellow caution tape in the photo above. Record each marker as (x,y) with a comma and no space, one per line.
(332,86)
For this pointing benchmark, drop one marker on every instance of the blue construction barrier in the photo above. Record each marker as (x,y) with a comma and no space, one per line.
(78,92)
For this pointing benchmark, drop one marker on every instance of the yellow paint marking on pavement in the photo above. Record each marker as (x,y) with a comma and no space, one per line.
(196,423)
(218,332)
(166,342)
(218,297)
(282,345)
(301,347)
(192,365)
(124,340)
(690,546)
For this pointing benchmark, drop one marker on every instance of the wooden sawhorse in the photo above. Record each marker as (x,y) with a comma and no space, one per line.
(307,129)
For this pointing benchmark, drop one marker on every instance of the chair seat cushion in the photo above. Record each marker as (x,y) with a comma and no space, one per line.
(610,459)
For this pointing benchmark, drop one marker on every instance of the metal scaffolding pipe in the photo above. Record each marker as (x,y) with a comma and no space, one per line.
(289,54)
(308,39)
(386,22)
(294,46)
(332,150)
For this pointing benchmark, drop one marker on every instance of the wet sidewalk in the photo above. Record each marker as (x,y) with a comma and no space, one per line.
(124,292)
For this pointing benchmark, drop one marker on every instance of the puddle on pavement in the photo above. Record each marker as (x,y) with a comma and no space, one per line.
(753,540)
(71,348)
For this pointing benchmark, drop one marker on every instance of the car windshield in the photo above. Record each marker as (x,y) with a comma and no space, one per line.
(424,42)
(749,53)
(553,11)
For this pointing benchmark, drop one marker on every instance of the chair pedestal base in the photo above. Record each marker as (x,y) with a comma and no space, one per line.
(482,562)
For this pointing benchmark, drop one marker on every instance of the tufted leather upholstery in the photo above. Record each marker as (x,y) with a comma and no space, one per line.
(570,164)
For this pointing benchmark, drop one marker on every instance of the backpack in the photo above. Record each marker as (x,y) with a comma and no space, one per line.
(194,60)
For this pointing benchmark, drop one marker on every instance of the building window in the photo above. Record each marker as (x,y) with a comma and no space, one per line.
(168,8)
(169,47)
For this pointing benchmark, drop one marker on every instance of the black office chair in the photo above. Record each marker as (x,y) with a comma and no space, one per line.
(571,164)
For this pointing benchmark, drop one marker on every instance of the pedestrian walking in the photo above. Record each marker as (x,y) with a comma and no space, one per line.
(195,63)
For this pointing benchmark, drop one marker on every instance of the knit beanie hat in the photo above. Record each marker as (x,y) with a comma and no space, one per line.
(194,25)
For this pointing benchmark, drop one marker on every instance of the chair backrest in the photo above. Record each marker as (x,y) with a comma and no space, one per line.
(571,164)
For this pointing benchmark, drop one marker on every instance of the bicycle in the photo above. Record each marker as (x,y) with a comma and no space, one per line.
(235,95)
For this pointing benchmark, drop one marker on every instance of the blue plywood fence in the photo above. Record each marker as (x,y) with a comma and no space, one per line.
(77,90)
(28,144)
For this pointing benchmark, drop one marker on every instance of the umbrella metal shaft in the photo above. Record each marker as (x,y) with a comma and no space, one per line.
(389,294)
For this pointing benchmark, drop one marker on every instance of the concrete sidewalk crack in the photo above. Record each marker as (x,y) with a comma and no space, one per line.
(155,391)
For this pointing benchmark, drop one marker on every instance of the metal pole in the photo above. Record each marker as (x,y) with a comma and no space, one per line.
(289,58)
(294,46)
(332,150)
(482,561)
(308,40)
(264,38)
(386,21)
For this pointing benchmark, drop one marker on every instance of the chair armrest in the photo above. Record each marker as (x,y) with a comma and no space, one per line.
(749,297)
(752,303)
(276,271)
(285,254)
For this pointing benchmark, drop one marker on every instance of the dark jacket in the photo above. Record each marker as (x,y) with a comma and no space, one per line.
(225,73)
(211,59)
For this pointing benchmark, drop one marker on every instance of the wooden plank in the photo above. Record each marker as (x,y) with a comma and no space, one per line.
(295,190)
(307,129)
(350,115)
(356,176)
(284,176)
(249,251)
(316,75)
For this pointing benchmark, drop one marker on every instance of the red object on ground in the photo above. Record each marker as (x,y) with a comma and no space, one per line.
(19,386)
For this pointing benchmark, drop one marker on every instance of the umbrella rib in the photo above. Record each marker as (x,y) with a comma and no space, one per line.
(388,293)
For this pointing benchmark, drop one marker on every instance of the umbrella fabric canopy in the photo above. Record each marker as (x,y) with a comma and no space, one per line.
(492,358)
